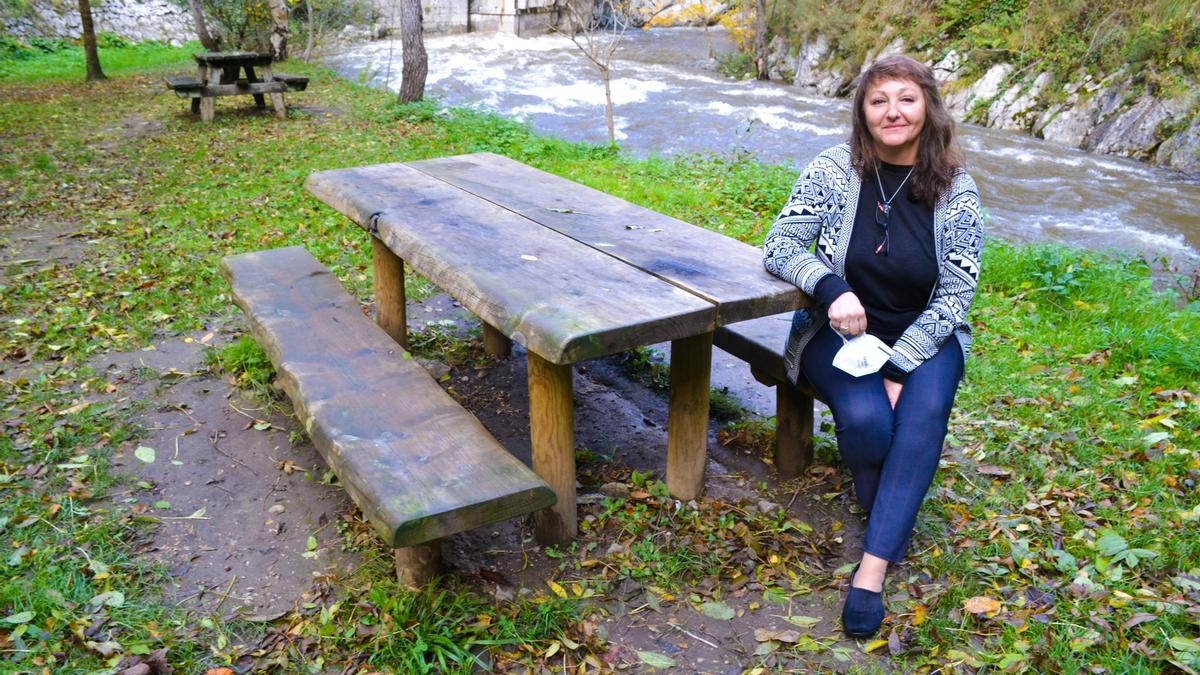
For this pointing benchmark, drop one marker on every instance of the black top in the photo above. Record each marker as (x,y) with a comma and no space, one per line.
(895,287)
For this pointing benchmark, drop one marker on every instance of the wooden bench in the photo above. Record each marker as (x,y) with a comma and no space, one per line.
(417,464)
(187,86)
(760,342)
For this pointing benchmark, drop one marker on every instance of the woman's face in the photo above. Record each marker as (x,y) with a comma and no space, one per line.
(895,112)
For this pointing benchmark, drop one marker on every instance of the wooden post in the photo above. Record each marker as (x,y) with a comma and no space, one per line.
(390,310)
(552,435)
(416,565)
(259,101)
(495,343)
(687,418)
(208,108)
(276,98)
(793,430)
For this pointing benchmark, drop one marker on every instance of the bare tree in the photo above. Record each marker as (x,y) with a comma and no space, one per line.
(761,64)
(308,42)
(211,43)
(599,34)
(279,29)
(412,45)
(89,42)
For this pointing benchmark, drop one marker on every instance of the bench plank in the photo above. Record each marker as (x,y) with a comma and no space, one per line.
(709,264)
(293,82)
(418,465)
(510,271)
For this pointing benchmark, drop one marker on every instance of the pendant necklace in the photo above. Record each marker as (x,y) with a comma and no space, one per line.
(885,206)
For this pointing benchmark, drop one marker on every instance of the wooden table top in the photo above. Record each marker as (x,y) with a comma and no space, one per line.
(231,58)
(570,272)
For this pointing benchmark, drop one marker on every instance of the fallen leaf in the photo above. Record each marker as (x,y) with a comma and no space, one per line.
(558,589)
(144,453)
(982,605)
(789,636)
(19,617)
(656,660)
(803,621)
(717,610)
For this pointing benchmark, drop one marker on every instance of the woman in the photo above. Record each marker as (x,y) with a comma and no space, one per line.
(898,232)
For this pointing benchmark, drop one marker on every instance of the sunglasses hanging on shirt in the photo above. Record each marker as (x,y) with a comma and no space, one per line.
(883,209)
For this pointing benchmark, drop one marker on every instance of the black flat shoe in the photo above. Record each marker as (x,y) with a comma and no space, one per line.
(863,612)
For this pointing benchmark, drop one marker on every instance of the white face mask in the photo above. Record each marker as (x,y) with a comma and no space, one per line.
(862,355)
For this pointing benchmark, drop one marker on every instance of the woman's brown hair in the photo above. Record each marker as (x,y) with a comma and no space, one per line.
(937,158)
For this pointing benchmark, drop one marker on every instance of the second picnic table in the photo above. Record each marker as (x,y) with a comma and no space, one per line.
(218,74)
(569,272)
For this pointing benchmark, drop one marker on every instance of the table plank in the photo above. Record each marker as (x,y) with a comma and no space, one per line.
(708,264)
(229,58)
(563,301)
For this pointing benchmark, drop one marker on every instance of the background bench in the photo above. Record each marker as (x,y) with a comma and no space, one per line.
(760,342)
(189,86)
(418,465)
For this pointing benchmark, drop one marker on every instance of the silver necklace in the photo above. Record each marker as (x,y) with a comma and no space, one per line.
(886,206)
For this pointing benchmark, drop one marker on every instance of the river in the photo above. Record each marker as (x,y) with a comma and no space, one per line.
(669,99)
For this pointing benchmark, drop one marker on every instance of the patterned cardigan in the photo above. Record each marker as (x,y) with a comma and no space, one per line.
(822,208)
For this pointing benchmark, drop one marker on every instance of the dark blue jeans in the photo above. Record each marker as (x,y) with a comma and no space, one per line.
(892,454)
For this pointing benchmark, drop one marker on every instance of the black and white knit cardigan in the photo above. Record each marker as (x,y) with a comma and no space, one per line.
(822,208)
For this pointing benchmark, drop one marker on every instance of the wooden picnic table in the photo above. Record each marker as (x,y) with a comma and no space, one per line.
(569,272)
(218,75)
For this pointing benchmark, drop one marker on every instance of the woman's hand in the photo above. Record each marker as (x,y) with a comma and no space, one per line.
(893,390)
(847,316)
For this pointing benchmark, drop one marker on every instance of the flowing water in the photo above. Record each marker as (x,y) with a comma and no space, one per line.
(669,99)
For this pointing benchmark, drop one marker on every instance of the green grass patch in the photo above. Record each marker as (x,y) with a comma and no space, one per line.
(61,60)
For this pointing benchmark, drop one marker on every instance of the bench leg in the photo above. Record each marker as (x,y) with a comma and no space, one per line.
(416,565)
(390,311)
(496,343)
(195,105)
(208,108)
(552,434)
(276,99)
(793,431)
(259,101)
(687,418)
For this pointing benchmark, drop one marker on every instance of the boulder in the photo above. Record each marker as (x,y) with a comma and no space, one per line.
(1182,151)
(961,102)
(947,70)
(1014,110)
(1132,133)
(812,52)
(891,49)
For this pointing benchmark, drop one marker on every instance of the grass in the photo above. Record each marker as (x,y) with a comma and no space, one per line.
(61,60)
(1057,537)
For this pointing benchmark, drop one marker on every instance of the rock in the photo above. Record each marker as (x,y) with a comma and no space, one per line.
(1070,123)
(768,507)
(812,52)
(1182,151)
(780,66)
(961,102)
(1133,133)
(276,509)
(614,548)
(948,68)
(134,20)
(893,48)
(1014,109)
(437,369)
(615,490)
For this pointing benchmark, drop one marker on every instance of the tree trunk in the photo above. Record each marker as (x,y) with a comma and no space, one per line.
(279,29)
(89,42)
(608,105)
(210,43)
(760,40)
(412,43)
(308,42)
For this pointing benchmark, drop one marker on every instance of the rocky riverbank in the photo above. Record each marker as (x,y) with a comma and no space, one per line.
(1114,115)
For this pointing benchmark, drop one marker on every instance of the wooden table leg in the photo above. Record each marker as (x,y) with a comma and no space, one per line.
(390,310)
(687,418)
(495,343)
(208,108)
(195,105)
(276,98)
(416,565)
(552,434)
(793,431)
(259,101)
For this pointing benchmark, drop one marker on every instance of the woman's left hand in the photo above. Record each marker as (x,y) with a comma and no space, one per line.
(893,391)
